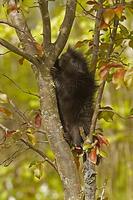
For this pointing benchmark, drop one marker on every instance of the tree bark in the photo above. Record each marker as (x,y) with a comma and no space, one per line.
(64,158)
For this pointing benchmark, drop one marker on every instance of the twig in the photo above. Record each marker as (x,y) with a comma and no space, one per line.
(86,11)
(41,131)
(11,158)
(108,110)
(30,93)
(40,153)
(21,114)
(4,134)
(103,190)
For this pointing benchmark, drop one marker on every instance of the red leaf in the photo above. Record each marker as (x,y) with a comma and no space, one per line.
(119,74)
(106,67)
(38,120)
(115,65)
(104,72)
(103,25)
(119,10)
(93,155)
(118,77)
(102,140)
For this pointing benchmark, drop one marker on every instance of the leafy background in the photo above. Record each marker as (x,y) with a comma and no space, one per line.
(19,181)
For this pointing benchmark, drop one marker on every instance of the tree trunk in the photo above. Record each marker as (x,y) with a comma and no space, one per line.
(89,180)
(65,162)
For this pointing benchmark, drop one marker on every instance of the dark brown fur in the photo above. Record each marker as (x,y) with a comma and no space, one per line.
(75,89)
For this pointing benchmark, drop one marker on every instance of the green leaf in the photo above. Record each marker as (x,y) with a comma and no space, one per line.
(87,146)
(33,163)
(38,171)
(124,30)
(107,114)
(103,154)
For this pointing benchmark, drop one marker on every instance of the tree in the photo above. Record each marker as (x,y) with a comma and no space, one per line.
(102,51)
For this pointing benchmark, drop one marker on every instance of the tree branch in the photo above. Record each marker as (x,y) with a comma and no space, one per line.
(96,38)
(101,87)
(18,22)
(43,4)
(40,153)
(66,26)
(9,24)
(89,168)
(17,51)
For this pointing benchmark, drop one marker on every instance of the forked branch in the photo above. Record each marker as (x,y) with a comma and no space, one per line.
(66,26)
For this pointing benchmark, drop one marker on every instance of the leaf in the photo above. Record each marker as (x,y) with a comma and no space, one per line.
(91,2)
(103,154)
(12,7)
(131,44)
(102,139)
(104,71)
(38,120)
(38,171)
(31,136)
(33,163)
(103,25)
(115,65)
(119,10)
(108,15)
(118,78)
(3,98)
(5,111)
(87,146)
(106,67)
(21,61)
(107,115)
(93,155)
(124,30)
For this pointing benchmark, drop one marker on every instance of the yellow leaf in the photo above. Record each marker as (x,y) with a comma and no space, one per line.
(31,138)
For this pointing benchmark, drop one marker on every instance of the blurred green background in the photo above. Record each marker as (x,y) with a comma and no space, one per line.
(17,181)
